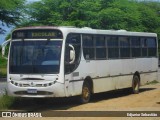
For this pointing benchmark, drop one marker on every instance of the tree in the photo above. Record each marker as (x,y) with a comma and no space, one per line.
(11,11)
(121,14)
(131,15)
(101,14)
(64,12)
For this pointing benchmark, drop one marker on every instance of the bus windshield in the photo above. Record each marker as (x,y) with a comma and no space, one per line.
(35,57)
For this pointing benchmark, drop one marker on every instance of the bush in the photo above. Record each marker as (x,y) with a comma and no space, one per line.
(0,49)
(3,62)
(3,66)
(6,102)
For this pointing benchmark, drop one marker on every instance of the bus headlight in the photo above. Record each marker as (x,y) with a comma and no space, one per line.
(14,83)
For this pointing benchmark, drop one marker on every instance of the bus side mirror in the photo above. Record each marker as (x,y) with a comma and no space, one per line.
(72,54)
(4,48)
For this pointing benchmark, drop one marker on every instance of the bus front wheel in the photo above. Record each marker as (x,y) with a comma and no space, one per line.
(135,84)
(86,93)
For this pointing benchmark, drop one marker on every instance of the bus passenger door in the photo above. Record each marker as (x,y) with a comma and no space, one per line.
(72,59)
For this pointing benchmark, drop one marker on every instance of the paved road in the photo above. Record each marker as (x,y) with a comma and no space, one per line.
(2,86)
(159,74)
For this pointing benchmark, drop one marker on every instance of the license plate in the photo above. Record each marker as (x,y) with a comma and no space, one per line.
(32,91)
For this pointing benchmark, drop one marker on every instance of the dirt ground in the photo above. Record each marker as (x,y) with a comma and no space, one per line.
(147,100)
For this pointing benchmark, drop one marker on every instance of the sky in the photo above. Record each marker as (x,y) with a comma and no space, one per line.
(32,0)
(2,36)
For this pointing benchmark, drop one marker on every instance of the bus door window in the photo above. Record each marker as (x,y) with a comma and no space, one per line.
(75,41)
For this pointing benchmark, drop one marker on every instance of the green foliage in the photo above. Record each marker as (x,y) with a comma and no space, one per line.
(3,61)
(10,12)
(6,102)
(63,12)
(122,14)
(101,14)
(0,49)
(3,65)
(3,72)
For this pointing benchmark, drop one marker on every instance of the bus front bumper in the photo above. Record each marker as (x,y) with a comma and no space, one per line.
(54,90)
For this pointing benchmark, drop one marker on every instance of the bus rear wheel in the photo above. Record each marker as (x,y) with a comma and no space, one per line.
(135,84)
(86,93)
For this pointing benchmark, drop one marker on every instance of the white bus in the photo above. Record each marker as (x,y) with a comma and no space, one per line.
(67,61)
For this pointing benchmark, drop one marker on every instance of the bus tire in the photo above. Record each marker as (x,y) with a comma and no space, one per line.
(86,93)
(135,84)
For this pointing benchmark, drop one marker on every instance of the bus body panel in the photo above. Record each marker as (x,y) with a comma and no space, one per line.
(113,74)
(108,74)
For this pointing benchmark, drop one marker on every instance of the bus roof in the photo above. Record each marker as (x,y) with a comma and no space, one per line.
(87,30)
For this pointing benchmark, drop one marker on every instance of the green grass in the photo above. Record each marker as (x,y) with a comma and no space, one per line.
(6,102)
(152,82)
(3,67)
(3,72)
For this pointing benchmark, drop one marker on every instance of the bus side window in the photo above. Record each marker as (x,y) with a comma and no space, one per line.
(113,47)
(135,47)
(124,47)
(100,46)
(152,47)
(75,41)
(144,47)
(88,47)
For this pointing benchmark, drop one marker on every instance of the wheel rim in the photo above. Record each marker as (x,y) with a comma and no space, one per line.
(86,94)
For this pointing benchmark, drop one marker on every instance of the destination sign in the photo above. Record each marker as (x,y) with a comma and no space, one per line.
(37,34)
(43,34)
